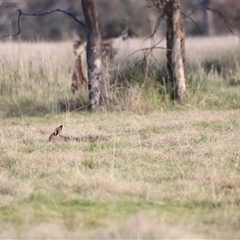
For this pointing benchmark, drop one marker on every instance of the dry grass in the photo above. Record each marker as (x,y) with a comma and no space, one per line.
(163,175)
(32,73)
(169,171)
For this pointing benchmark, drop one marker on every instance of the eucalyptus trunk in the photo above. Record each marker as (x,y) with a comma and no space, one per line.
(96,71)
(176,48)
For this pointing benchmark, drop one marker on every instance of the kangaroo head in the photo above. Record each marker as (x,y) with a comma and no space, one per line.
(56,132)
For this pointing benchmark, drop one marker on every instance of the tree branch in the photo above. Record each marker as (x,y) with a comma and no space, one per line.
(225,18)
(159,20)
(21,13)
(147,51)
(215,11)
(192,20)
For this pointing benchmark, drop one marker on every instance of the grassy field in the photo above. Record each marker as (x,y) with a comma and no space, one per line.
(169,170)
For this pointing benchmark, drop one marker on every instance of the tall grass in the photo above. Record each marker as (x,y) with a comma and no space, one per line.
(34,76)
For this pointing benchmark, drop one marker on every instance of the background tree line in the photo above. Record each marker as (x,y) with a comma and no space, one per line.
(134,14)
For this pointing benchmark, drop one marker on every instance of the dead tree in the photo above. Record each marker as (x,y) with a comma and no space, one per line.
(175,36)
(96,72)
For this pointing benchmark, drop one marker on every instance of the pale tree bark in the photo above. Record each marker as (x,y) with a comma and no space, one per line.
(96,72)
(176,48)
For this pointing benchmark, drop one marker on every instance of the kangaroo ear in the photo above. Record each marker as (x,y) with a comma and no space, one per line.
(58,130)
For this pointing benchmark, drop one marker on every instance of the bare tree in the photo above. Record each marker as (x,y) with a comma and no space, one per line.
(175,36)
(176,48)
(96,72)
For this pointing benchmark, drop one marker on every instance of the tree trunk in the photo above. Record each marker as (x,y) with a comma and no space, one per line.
(207,19)
(176,48)
(96,72)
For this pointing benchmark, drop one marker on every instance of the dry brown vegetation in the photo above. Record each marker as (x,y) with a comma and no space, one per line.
(173,174)
(169,171)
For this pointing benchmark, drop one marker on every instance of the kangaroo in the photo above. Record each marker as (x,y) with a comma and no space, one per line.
(79,80)
(56,136)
